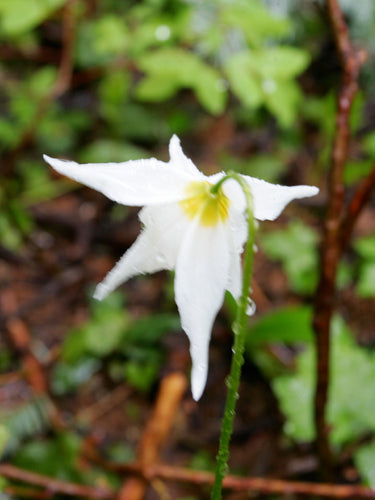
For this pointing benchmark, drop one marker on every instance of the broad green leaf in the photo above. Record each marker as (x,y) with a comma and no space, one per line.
(17,16)
(111,36)
(280,63)
(243,82)
(368,143)
(106,150)
(283,102)
(350,411)
(170,69)
(254,19)
(290,324)
(68,377)
(355,170)
(101,335)
(296,247)
(4,438)
(364,459)
(366,282)
(365,246)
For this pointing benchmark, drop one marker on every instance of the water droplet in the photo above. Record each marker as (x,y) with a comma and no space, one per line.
(251,307)
(269,85)
(255,247)
(221,85)
(163,32)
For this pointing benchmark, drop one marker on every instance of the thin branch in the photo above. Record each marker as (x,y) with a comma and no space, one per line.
(351,61)
(355,207)
(55,485)
(69,23)
(251,484)
(172,389)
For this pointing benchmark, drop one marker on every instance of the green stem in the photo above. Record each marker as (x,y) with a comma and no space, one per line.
(239,331)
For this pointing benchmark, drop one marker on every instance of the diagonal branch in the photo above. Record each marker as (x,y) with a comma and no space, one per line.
(54,485)
(355,207)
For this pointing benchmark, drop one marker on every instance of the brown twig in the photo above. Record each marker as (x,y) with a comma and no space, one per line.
(64,78)
(33,370)
(351,61)
(171,390)
(358,201)
(250,484)
(54,485)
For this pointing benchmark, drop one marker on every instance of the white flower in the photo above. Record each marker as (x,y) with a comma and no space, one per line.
(186,228)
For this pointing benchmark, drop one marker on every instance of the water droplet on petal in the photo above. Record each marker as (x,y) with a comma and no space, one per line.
(251,307)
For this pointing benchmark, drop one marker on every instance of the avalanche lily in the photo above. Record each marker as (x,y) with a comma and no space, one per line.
(191,225)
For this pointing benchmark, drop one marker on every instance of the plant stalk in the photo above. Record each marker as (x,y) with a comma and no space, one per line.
(239,331)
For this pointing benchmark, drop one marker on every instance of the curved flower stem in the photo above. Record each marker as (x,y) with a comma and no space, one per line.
(239,330)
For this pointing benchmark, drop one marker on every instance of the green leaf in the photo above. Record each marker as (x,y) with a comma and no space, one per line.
(283,101)
(102,334)
(171,69)
(364,459)
(243,82)
(254,19)
(141,375)
(67,377)
(107,150)
(290,324)
(350,411)
(365,246)
(265,76)
(56,457)
(296,247)
(4,438)
(366,282)
(148,330)
(18,16)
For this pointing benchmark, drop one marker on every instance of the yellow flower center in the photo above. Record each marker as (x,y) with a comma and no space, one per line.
(211,208)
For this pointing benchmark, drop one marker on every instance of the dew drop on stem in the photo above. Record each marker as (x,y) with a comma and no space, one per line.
(251,307)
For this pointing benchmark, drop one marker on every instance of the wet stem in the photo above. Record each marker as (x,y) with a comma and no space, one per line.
(239,331)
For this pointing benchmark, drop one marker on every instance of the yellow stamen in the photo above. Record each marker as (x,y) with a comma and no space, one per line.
(211,208)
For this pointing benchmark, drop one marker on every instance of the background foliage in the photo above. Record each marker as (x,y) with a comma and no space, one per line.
(248,86)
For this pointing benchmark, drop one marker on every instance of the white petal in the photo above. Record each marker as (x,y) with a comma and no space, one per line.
(139,182)
(178,159)
(140,258)
(238,232)
(201,276)
(156,248)
(271,199)
(166,225)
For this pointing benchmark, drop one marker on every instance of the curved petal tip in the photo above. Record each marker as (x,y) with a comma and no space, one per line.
(198,380)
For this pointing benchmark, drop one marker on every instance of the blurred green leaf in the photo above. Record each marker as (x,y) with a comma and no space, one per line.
(368,143)
(296,248)
(366,281)
(4,438)
(26,420)
(254,19)
(99,40)
(170,69)
(17,16)
(364,459)
(350,412)
(106,150)
(68,376)
(102,334)
(365,246)
(54,457)
(290,324)
(265,76)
